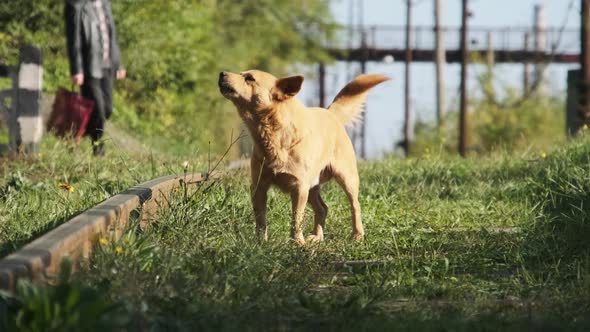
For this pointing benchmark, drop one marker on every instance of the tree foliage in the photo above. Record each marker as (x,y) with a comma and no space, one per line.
(173,50)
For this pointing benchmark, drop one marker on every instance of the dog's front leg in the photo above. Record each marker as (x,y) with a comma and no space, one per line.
(259,197)
(298,201)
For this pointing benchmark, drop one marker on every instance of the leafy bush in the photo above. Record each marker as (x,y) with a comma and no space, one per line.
(495,124)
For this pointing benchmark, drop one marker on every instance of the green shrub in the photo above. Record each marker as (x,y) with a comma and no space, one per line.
(67,306)
(508,124)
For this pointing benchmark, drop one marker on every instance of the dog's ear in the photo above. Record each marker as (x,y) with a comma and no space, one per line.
(287,87)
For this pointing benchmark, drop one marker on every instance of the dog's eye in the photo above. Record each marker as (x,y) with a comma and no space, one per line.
(250,78)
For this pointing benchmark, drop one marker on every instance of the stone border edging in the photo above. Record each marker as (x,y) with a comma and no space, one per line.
(39,260)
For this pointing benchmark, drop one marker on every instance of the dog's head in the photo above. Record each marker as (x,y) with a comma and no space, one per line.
(255,90)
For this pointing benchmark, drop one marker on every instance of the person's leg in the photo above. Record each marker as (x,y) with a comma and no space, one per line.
(91,89)
(99,90)
(106,93)
(107,90)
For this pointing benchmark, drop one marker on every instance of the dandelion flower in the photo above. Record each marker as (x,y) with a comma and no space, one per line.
(103,241)
(66,187)
(119,250)
(543,155)
(185,164)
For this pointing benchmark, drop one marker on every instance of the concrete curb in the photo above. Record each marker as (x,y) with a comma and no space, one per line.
(39,260)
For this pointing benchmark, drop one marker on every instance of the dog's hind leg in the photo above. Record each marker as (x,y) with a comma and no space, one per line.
(348,179)
(320,211)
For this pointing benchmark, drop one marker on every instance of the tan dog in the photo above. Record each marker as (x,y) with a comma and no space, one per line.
(298,148)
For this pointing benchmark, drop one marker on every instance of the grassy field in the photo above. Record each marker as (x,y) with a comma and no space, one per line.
(32,201)
(452,244)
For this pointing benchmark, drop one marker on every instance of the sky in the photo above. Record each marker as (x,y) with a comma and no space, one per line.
(385,104)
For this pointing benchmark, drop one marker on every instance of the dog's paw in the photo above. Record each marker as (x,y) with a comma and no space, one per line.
(357,236)
(262,237)
(299,242)
(315,238)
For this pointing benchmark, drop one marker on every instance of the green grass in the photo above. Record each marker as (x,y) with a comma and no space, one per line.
(487,244)
(4,136)
(452,244)
(32,203)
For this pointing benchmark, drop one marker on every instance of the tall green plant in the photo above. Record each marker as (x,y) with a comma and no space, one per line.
(498,121)
(68,306)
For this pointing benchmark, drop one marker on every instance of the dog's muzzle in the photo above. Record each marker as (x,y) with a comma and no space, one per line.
(224,86)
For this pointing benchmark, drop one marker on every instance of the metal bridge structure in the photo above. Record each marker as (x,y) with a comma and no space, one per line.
(533,47)
(505,44)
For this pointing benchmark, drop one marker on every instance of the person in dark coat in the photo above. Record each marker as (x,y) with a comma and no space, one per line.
(95,59)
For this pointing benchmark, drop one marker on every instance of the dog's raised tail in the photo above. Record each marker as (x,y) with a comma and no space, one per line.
(347,105)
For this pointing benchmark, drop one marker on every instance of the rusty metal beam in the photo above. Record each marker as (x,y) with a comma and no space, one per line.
(452,56)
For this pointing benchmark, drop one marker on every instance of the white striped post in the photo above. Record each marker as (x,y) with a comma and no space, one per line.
(28,101)
(7,110)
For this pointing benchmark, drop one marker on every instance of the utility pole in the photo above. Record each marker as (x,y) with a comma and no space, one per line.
(351,20)
(540,44)
(490,56)
(364,114)
(406,143)
(584,112)
(357,129)
(322,79)
(464,61)
(440,63)
(363,129)
(526,79)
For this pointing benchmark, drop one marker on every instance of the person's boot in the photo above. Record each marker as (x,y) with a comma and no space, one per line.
(98,149)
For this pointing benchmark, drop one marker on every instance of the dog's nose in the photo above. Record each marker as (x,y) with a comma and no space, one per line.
(223,74)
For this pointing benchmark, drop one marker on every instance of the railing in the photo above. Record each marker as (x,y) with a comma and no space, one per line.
(549,40)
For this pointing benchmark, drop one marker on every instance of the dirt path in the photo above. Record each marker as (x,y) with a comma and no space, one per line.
(120,139)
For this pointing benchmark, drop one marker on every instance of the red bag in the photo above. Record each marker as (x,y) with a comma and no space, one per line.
(70,114)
